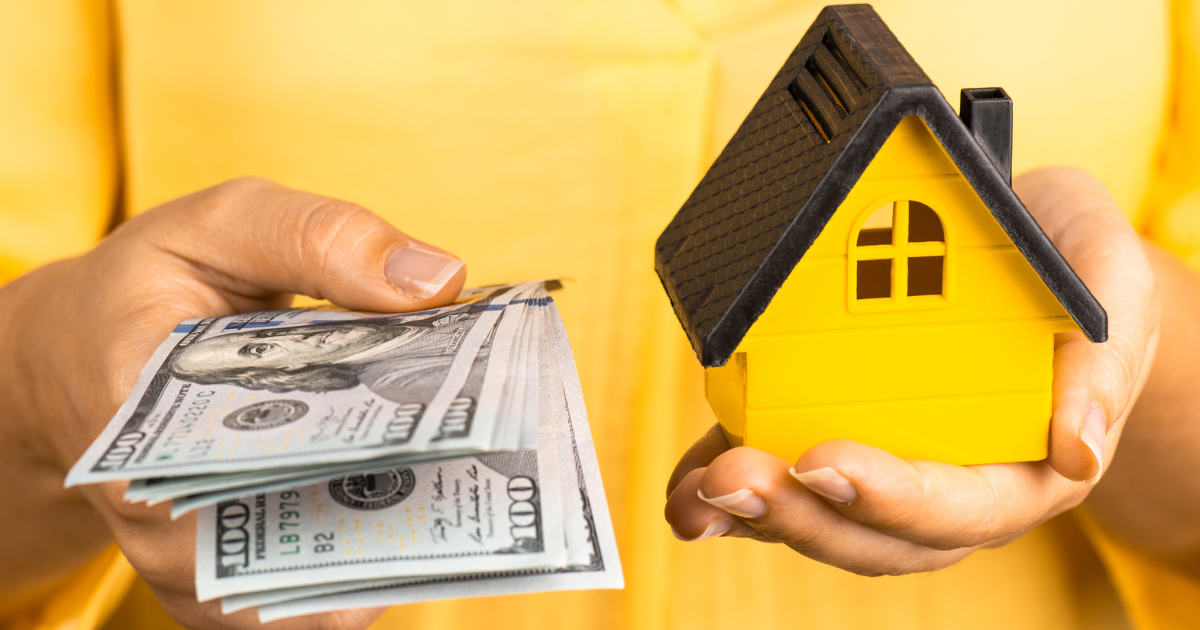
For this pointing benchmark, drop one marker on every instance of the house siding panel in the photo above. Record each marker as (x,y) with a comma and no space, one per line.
(897,363)
(725,388)
(981,429)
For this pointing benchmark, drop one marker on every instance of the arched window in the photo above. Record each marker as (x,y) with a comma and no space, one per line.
(899,253)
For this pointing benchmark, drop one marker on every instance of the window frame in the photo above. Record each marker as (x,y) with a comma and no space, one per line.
(899,252)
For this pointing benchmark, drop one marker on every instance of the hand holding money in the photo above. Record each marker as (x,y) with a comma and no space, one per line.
(80,330)
(464,467)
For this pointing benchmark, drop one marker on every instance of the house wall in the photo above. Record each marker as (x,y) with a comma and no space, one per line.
(990,279)
(899,362)
(725,388)
(963,380)
(978,429)
(963,394)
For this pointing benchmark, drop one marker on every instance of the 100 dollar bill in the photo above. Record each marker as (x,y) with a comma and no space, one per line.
(591,547)
(298,387)
(489,511)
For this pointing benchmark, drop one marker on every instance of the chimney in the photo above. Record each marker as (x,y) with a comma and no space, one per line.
(988,113)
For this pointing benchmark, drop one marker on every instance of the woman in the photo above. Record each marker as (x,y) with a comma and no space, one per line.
(550,139)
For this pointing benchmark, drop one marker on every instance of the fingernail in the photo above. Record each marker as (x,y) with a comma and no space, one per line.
(743,503)
(420,273)
(828,483)
(712,531)
(1092,434)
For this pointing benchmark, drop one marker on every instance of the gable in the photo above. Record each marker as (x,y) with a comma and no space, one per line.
(793,161)
(987,277)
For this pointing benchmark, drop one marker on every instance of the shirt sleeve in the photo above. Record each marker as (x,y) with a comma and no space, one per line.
(1156,595)
(85,599)
(58,187)
(1171,216)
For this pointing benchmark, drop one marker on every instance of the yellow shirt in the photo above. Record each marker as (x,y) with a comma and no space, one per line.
(548,138)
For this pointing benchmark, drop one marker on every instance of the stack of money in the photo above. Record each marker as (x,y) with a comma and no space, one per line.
(343,460)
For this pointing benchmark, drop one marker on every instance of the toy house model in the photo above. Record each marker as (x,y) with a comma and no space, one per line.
(856,265)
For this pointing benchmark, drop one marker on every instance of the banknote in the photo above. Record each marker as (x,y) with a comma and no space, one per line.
(486,399)
(478,404)
(483,512)
(294,388)
(591,562)
(513,392)
(340,459)
(181,505)
(472,410)
(592,554)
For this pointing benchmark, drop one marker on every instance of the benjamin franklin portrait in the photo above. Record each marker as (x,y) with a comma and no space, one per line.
(388,355)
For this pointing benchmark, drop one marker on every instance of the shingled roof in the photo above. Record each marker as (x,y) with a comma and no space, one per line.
(793,161)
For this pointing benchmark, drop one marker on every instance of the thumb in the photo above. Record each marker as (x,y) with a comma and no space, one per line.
(262,238)
(1095,384)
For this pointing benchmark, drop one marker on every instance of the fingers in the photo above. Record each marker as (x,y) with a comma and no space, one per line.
(693,520)
(208,616)
(864,510)
(150,541)
(261,237)
(1084,390)
(701,453)
(1094,384)
(937,505)
(747,487)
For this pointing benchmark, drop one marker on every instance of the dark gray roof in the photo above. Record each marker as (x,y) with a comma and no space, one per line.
(795,158)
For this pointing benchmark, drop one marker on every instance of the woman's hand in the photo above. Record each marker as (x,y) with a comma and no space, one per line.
(76,334)
(862,509)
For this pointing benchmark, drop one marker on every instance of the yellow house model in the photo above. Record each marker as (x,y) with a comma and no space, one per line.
(856,265)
